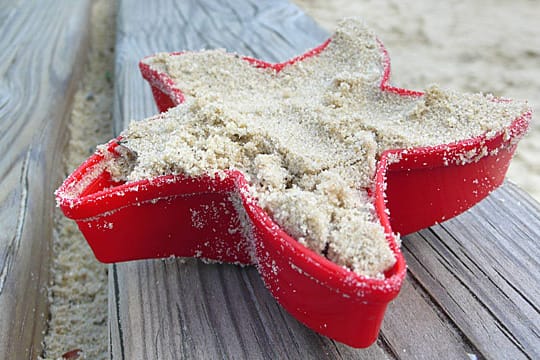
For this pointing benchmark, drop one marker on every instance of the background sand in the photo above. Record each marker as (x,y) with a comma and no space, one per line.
(482,45)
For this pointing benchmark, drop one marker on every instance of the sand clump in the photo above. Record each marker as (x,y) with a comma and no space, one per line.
(307,138)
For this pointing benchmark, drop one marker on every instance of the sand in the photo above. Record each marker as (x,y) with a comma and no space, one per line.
(468,46)
(307,137)
(78,293)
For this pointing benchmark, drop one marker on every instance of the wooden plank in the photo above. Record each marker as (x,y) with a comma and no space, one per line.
(189,302)
(42,44)
(482,270)
(171,309)
(413,328)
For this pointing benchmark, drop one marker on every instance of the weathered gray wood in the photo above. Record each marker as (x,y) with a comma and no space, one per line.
(42,46)
(413,328)
(482,270)
(171,309)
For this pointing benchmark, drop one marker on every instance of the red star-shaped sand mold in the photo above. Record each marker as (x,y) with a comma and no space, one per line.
(412,178)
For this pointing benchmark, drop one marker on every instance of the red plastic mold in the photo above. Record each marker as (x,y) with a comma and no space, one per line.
(214,217)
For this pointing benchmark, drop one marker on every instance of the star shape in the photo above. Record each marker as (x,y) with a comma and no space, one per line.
(217,218)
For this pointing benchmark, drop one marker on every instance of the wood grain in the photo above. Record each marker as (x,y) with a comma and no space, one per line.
(173,309)
(42,44)
(482,270)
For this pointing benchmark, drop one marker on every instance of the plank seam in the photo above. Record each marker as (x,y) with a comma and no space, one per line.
(117,305)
